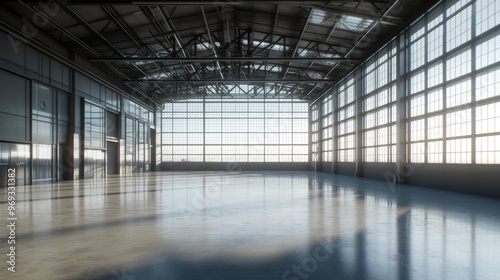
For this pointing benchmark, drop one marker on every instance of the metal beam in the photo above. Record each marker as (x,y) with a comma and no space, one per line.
(177,2)
(232,81)
(218,59)
(274,28)
(355,45)
(212,45)
(297,44)
(238,2)
(170,24)
(123,27)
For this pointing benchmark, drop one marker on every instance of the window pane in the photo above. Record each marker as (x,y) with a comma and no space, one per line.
(459,29)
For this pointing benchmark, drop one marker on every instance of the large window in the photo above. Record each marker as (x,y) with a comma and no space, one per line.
(439,83)
(94,140)
(95,126)
(452,115)
(346,119)
(379,108)
(315,132)
(240,130)
(327,128)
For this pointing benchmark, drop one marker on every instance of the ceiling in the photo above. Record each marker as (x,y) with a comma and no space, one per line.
(171,50)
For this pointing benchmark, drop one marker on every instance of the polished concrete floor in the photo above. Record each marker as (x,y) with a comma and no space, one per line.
(249,225)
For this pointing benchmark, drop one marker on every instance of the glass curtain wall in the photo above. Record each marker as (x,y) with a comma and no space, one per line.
(449,92)
(454,104)
(235,130)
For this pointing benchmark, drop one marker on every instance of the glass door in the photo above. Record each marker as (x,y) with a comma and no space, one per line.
(130,145)
(17,158)
(44,131)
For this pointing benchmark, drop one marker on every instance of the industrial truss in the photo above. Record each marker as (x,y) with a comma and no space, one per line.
(169,50)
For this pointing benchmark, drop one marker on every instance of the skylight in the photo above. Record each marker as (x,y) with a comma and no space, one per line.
(351,23)
(320,17)
(354,23)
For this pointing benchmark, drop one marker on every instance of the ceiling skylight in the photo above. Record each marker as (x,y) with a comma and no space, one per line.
(354,23)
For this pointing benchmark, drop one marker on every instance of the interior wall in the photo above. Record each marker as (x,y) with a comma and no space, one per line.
(29,62)
(474,179)
(345,168)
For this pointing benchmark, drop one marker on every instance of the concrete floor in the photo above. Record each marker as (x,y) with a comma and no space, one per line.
(250,225)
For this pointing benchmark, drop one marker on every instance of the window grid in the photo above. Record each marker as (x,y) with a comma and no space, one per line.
(417,82)
(456,86)
(488,84)
(459,65)
(459,29)
(487,118)
(418,54)
(435,75)
(453,82)
(235,131)
(435,43)
(378,111)
(487,52)
(488,150)
(346,122)
(417,105)
(314,133)
(487,15)
(458,93)
(327,129)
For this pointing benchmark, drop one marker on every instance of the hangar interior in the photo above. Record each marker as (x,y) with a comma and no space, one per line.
(391,105)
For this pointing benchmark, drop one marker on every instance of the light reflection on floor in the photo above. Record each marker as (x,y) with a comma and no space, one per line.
(250,225)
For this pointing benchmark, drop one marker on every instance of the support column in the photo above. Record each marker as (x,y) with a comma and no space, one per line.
(334,129)
(402,89)
(73,160)
(320,134)
(358,93)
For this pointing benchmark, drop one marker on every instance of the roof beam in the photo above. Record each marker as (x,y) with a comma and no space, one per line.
(212,45)
(297,44)
(232,81)
(351,12)
(356,44)
(237,2)
(177,2)
(170,24)
(218,59)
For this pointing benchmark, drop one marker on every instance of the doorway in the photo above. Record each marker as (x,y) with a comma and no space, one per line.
(112,158)
(44,134)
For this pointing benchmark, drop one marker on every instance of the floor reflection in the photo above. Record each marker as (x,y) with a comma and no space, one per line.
(250,225)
